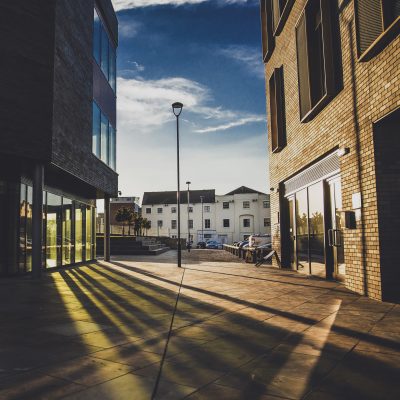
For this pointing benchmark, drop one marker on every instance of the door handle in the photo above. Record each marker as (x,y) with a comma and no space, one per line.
(330,237)
(337,238)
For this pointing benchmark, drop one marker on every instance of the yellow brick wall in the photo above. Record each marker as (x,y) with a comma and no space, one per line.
(370,91)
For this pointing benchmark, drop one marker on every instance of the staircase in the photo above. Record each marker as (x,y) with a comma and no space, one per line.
(132,246)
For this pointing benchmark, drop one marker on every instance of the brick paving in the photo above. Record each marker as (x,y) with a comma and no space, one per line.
(99,332)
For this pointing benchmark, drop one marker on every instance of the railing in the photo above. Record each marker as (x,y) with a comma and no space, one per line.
(249,254)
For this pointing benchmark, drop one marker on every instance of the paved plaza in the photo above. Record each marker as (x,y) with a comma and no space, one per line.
(100,331)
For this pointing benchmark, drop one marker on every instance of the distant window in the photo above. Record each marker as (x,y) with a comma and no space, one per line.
(207,223)
(267,222)
(246,204)
(225,204)
(149,222)
(96,130)
(190,209)
(226,223)
(159,223)
(277,110)
(268,39)
(373,18)
(148,210)
(316,63)
(104,139)
(266,204)
(159,210)
(207,208)
(246,223)
(96,37)
(173,210)
(190,224)
(207,236)
(173,224)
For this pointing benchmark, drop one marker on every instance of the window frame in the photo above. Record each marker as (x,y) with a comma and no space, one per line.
(225,203)
(148,210)
(266,204)
(207,221)
(388,33)
(308,110)
(173,224)
(283,15)
(224,221)
(277,110)
(173,210)
(244,224)
(267,37)
(247,202)
(158,210)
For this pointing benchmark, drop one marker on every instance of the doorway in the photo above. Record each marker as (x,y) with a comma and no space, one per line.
(335,230)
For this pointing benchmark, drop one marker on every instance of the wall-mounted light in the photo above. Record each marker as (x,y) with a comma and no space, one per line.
(271,189)
(343,151)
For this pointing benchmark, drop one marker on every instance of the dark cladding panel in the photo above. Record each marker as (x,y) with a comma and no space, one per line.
(26,44)
(73,95)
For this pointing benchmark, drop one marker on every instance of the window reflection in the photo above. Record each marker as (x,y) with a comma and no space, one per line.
(53,230)
(67,248)
(316,213)
(89,233)
(104,138)
(96,36)
(302,230)
(79,214)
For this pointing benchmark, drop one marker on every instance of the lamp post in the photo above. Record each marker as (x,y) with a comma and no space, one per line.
(202,220)
(188,204)
(177,109)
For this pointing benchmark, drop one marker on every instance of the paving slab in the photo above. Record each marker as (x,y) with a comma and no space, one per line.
(99,331)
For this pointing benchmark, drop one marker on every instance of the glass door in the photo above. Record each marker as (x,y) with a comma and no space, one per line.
(292,233)
(335,233)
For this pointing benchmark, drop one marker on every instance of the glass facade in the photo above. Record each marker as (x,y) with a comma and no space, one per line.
(68,230)
(104,138)
(302,230)
(104,51)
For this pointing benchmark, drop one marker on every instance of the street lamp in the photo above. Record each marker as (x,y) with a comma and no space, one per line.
(177,109)
(202,220)
(188,204)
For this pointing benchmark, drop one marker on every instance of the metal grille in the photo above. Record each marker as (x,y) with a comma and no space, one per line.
(329,166)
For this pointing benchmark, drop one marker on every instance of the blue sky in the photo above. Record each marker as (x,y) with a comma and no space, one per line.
(206,54)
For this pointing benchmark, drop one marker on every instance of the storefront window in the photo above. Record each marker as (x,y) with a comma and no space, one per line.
(79,216)
(29,202)
(53,230)
(302,230)
(316,213)
(22,228)
(67,247)
(89,233)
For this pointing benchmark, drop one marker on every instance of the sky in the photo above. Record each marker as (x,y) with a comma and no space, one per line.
(207,55)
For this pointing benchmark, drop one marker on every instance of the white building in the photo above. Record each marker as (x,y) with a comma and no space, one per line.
(225,218)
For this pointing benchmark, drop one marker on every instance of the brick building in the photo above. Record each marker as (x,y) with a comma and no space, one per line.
(58,114)
(333,96)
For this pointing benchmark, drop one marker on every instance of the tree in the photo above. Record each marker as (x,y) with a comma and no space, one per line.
(138,219)
(146,225)
(124,216)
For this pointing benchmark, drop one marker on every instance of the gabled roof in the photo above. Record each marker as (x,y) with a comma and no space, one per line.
(243,190)
(169,197)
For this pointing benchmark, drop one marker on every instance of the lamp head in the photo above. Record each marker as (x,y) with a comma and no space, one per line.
(177,108)
(188,183)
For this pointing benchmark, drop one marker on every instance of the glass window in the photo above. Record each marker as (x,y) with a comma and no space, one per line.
(302,230)
(190,224)
(173,210)
(207,223)
(159,210)
(246,223)
(29,203)
(112,63)
(159,223)
(112,148)
(246,204)
(226,223)
(173,224)
(316,226)
(104,138)
(96,36)
(79,217)
(89,233)
(148,210)
(207,208)
(67,247)
(190,209)
(267,222)
(22,229)
(266,204)
(96,128)
(104,52)
(225,204)
(53,230)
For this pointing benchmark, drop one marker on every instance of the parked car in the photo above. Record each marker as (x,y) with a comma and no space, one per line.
(201,245)
(242,243)
(213,244)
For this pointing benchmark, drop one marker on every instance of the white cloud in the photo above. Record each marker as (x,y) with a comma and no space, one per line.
(128,28)
(128,4)
(144,105)
(246,56)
